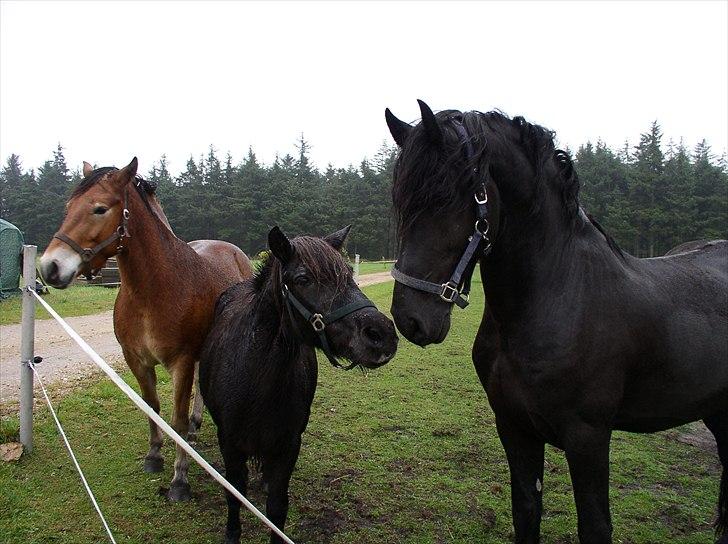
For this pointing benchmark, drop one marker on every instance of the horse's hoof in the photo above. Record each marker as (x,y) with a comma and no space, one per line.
(179,492)
(153,464)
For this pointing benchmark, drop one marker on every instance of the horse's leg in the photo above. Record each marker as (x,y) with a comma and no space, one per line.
(236,472)
(718,425)
(183,371)
(587,452)
(146,376)
(525,452)
(198,406)
(277,472)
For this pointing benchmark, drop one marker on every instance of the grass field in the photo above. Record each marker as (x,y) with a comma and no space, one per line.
(407,453)
(370,267)
(76,300)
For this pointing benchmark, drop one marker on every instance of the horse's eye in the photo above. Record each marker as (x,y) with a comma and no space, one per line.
(100,210)
(301,279)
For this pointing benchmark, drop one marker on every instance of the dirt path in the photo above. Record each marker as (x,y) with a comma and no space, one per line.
(64,364)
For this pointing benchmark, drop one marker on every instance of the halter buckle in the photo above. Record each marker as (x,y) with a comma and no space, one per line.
(126,213)
(317,322)
(87,255)
(449,292)
(483,200)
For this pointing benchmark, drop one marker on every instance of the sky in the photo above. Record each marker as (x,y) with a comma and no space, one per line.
(113,80)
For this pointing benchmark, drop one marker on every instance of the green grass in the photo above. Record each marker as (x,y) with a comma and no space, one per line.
(76,300)
(407,453)
(369,267)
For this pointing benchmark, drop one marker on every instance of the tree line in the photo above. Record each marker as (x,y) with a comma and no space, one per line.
(650,197)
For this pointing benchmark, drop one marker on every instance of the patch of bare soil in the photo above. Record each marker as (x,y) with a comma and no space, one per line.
(696,435)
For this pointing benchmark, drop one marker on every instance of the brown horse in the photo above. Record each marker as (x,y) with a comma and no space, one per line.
(168,291)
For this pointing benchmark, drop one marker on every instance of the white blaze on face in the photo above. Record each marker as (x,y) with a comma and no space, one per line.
(66,266)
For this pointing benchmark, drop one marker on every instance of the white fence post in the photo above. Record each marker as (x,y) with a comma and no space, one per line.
(27,337)
(356,267)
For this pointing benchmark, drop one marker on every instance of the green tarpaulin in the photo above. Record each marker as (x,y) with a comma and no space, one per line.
(11,248)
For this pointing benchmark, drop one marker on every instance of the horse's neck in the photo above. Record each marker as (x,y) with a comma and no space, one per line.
(151,251)
(538,265)
(280,344)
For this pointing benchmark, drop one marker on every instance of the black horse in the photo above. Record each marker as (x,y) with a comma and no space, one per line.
(578,337)
(258,367)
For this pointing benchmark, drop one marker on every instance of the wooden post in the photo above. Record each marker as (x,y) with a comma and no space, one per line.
(27,337)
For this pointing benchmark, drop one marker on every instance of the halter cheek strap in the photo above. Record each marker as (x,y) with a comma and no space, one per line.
(87,254)
(319,321)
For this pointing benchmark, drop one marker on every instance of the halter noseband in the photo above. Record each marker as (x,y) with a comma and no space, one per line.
(319,321)
(88,253)
(457,289)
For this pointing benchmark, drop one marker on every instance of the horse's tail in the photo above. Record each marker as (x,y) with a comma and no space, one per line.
(721,524)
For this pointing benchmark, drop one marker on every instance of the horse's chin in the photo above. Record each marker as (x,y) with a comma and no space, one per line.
(432,329)
(382,360)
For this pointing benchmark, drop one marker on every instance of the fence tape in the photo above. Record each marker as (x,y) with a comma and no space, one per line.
(144,407)
(70,452)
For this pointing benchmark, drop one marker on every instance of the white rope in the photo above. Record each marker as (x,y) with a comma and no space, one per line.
(70,452)
(144,407)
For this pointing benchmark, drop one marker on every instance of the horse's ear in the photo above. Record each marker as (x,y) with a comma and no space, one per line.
(87,169)
(337,239)
(398,129)
(128,173)
(432,129)
(280,245)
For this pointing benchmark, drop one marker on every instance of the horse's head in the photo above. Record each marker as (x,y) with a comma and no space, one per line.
(94,225)
(448,165)
(324,302)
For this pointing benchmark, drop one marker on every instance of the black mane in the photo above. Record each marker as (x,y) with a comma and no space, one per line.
(433,180)
(143,186)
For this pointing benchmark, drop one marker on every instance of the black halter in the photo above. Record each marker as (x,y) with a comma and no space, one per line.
(319,321)
(88,253)
(457,289)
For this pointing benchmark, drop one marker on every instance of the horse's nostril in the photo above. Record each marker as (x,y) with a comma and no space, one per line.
(372,334)
(51,272)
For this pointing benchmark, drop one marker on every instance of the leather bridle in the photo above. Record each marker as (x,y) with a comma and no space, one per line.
(319,321)
(456,290)
(88,253)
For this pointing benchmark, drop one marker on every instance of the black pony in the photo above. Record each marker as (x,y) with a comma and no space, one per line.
(578,338)
(258,366)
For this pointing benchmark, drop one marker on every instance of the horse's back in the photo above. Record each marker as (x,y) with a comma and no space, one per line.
(228,258)
(700,248)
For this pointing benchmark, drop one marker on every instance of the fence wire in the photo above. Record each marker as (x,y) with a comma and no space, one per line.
(168,430)
(70,452)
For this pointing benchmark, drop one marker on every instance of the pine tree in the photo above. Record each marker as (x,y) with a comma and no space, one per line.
(646,201)
(711,194)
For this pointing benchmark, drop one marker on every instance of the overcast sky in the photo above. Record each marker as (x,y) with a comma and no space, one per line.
(114,80)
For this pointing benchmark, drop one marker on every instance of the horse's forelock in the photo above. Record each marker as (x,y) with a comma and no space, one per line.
(435,179)
(147,187)
(322,261)
(92,179)
(429,179)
